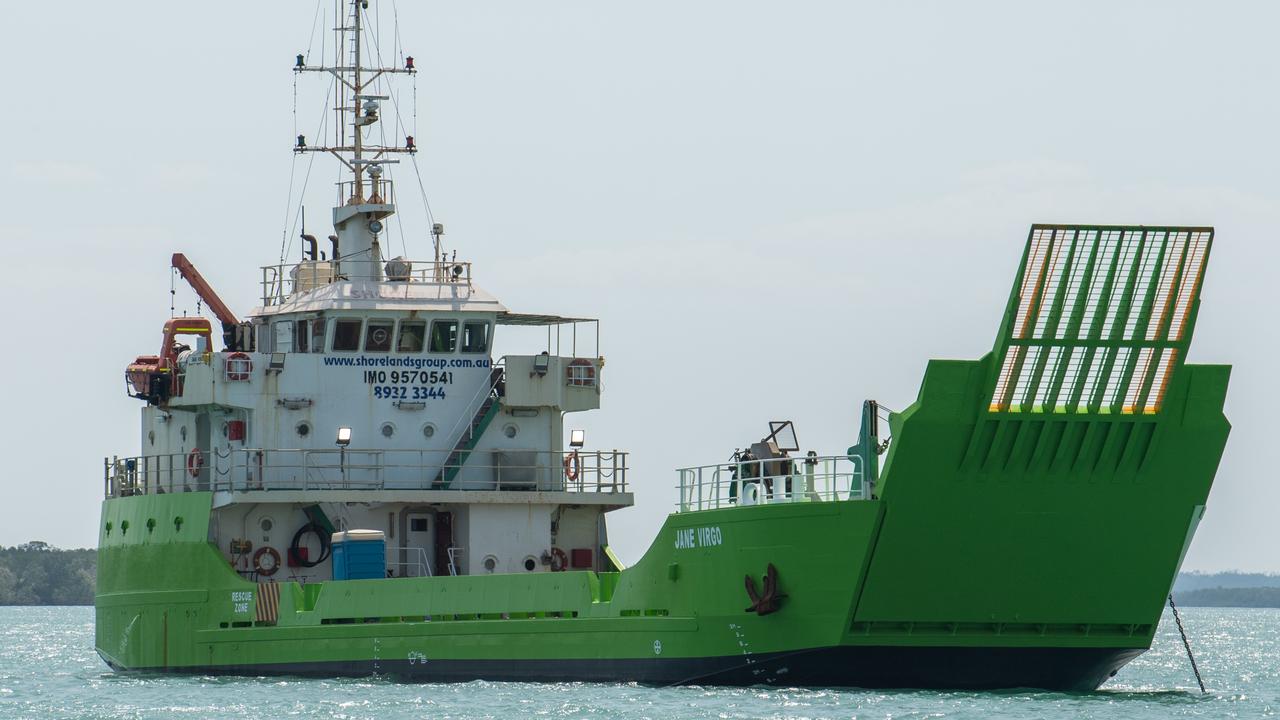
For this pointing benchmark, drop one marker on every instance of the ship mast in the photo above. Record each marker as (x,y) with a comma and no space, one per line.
(358,215)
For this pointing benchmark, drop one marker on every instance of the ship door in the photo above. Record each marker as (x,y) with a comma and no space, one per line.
(204,441)
(419,543)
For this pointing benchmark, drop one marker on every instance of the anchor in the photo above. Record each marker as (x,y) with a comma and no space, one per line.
(768,601)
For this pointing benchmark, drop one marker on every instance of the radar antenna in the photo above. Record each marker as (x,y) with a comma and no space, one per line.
(367,199)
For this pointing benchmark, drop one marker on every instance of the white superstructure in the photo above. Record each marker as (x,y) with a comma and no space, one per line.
(362,393)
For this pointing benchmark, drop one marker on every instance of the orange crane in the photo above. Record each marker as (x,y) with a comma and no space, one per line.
(230,325)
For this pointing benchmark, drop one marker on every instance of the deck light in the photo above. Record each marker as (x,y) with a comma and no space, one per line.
(276,363)
(344,436)
(541,364)
(577,438)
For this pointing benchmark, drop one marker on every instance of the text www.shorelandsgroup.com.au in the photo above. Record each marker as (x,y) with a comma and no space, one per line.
(417,363)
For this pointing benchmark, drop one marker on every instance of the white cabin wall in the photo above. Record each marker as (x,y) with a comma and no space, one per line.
(509,533)
(579,527)
(532,434)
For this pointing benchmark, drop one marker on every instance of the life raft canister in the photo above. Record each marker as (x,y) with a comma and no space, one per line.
(195,462)
(269,568)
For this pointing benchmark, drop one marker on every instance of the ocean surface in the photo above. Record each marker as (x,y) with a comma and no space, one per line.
(48,669)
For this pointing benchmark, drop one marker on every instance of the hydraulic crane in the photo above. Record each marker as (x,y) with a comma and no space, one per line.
(231,336)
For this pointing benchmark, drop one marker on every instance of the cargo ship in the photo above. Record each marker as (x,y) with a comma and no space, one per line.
(347,482)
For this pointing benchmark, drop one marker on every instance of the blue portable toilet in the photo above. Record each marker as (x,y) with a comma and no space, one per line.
(359,555)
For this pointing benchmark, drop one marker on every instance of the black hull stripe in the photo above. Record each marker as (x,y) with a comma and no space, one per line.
(965,668)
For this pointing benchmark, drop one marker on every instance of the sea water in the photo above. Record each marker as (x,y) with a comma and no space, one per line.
(48,669)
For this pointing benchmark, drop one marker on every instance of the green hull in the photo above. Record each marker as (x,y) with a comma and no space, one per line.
(947,560)
(1004,549)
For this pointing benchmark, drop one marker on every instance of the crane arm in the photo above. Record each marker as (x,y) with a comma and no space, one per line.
(206,293)
(203,289)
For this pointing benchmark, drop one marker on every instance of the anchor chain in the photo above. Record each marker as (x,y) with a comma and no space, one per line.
(1185,643)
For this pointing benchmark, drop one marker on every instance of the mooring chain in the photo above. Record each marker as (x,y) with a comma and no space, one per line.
(1185,643)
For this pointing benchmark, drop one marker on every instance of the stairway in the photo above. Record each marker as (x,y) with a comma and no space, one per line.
(485,414)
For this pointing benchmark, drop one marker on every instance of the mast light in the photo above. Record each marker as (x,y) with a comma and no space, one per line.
(408,143)
(408,63)
(301,62)
(302,142)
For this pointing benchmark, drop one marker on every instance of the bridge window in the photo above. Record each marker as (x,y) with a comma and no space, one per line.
(301,336)
(317,335)
(377,335)
(263,344)
(475,337)
(444,336)
(412,333)
(283,336)
(346,335)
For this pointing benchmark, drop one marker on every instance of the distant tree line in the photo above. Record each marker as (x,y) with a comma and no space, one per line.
(1188,581)
(1244,597)
(37,573)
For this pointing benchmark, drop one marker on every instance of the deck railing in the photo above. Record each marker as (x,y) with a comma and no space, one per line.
(765,482)
(253,469)
(281,281)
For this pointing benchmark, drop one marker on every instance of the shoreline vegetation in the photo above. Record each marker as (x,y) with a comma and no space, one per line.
(37,573)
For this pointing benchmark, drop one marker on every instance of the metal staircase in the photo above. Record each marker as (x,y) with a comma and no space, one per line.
(484,415)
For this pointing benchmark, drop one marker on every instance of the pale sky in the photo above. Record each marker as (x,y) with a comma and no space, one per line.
(775,209)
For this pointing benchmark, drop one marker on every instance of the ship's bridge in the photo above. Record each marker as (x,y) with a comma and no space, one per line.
(384,384)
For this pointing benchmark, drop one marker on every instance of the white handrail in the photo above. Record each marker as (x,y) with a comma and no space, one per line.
(743,483)
(253,469)
(469,412)
(416,557)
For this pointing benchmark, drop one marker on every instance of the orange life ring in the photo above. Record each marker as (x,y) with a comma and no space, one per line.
(559,561)
(572,465)
(580,373)
(239,367)
(195,462)
(266,551)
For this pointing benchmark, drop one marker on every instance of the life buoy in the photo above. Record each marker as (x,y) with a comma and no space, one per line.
(580,373)
(572,465)
(266,551)
(195,462)
(559,561)
(239,367)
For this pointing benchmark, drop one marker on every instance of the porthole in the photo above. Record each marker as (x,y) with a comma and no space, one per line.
(388,430)
(225,430)
(510,430)
(304,429)
(266,524)
(490,563)
(530,563)
(428,430)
